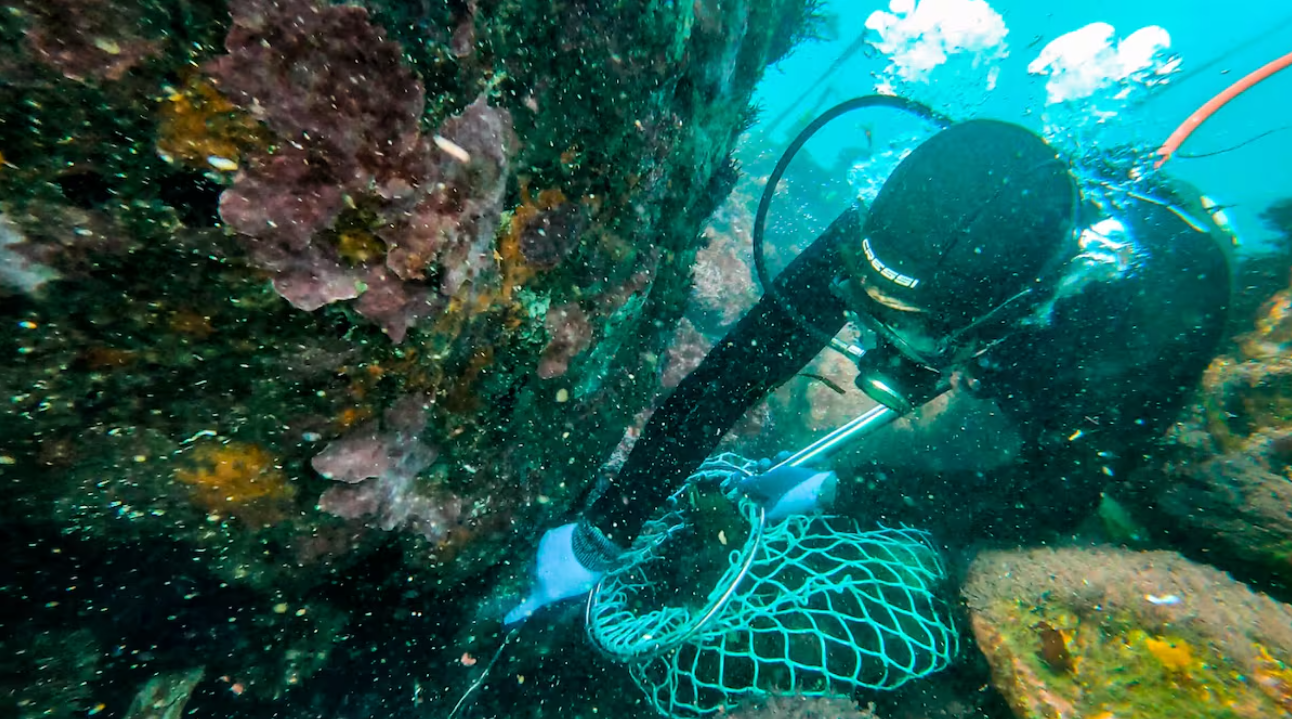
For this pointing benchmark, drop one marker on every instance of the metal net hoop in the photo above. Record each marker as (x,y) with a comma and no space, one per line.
(627,619)
(807,605)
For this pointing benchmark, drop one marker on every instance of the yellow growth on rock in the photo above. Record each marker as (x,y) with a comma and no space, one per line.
(359,247)
(1175,654)
(515,269)
(200,128)
(237,478)
(1274,677)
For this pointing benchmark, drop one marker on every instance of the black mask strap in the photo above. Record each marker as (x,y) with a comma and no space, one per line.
(764,204)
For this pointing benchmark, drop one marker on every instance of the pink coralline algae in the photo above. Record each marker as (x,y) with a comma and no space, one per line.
(686,350)
(722,281)
(345,110)
(455,221)
(570,333)
(464,36)
(88,39)
(379,464)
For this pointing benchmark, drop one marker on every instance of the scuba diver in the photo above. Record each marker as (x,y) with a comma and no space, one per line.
(1028,332)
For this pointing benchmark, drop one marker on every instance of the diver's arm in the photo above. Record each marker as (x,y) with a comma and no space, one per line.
(763,350)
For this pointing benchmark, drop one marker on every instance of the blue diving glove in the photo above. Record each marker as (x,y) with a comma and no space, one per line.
(571,558)
(787,491)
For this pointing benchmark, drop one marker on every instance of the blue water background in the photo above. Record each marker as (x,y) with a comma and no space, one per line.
(1248,179)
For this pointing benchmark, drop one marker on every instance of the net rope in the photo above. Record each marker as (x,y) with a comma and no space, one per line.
(806,605)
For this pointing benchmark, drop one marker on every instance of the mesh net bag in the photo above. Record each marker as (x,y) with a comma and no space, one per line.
(807,605)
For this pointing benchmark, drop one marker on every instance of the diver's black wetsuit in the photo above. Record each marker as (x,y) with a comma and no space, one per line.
(764,349)
(1115,363)
(1090,391)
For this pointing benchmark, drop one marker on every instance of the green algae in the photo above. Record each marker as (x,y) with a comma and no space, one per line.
(1120,668)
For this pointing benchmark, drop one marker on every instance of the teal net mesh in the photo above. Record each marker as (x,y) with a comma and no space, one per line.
(807,605)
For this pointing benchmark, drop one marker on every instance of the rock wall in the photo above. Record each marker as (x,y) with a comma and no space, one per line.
(338,305)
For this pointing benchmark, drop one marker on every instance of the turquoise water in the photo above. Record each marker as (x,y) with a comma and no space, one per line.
(410,358)
(1216,46)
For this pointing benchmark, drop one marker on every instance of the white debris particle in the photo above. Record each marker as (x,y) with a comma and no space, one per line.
(223,164)
(452,149)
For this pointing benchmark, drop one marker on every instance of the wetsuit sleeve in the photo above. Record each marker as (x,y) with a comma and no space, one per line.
(763,350)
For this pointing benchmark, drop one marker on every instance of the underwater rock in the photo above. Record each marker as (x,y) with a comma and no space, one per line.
(1223,485)
(88,40)
(17,271)
(227,500)
(570,333)
(1103,632)
(686,350)
(1234,503)
(358,162)
(548,229)
(200,128)
(165,695)
(723,286)
(452,227)
(327,81)
(47,672)
(46,242)
(328,84)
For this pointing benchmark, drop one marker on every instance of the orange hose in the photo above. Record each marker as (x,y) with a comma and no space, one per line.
(1200,115)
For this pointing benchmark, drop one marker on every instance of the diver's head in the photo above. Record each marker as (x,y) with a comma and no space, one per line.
(962,240)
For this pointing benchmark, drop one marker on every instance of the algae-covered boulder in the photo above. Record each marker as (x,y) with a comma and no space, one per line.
(1104,633)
